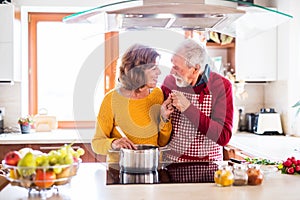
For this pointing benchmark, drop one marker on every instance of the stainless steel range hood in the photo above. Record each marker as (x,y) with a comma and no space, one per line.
(194,15)
(216,15)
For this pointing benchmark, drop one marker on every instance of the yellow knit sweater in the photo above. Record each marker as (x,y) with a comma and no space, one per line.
(138,118)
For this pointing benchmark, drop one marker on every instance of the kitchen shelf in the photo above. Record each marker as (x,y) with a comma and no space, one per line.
(214,45)
(230,48)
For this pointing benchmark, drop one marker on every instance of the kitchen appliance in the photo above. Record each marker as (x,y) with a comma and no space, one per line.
(1,123)
(43,122)
(250,120)
(267,122)
(172,14)
(184,172)
(220,16)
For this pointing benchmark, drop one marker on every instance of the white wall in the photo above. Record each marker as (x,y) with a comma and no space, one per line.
(10,99)
(285,92)
(68,3)
(13,97)
(281,95)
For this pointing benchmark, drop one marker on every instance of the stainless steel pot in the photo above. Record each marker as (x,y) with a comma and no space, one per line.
(127,178)
(143,160)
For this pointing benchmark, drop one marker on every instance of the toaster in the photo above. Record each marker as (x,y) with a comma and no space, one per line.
(267,122)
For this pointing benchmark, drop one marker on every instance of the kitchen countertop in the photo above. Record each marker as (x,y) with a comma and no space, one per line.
(55,136)
(271,147)
(90,184)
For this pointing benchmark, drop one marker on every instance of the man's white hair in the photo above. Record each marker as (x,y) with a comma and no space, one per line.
(194,53)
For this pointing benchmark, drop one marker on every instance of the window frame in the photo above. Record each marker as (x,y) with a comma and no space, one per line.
(111,42)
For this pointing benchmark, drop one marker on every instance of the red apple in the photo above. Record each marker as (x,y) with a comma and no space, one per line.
(12,158)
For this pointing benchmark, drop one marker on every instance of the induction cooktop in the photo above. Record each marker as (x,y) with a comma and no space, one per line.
(184,172)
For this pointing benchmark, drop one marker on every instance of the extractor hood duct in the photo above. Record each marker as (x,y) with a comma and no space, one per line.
(215,15)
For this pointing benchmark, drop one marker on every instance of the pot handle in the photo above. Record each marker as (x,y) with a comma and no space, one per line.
(114,150)
(164,148)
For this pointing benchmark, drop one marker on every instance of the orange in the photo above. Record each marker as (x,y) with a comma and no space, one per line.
(44,179)
(13,174)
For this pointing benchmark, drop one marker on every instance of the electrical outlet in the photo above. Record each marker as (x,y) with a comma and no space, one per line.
(2,111)
(241,108)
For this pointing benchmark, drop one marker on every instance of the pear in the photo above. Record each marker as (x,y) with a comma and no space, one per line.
(25,150)
(27,165)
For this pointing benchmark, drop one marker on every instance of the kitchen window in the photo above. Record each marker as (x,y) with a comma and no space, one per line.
(57,54)
(65,58)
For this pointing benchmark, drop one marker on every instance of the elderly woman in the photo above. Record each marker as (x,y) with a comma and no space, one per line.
(137,105)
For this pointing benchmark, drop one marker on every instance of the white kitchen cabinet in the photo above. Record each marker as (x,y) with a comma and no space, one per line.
(256,58)
(6,22)
(10,44)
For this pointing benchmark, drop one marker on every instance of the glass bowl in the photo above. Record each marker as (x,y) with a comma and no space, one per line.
(41,178)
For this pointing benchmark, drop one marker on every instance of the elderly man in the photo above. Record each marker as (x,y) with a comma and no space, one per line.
(203,116)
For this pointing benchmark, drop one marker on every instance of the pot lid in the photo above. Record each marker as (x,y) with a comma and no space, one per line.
(223,16)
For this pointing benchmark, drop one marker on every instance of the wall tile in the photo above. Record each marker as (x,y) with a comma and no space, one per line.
(10,98)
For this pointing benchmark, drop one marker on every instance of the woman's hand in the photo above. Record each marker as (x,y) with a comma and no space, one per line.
(123,142)
(166,109)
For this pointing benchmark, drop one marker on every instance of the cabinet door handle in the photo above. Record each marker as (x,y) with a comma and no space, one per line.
(56,147)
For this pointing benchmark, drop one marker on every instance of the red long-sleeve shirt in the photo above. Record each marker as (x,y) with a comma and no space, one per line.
(218,126)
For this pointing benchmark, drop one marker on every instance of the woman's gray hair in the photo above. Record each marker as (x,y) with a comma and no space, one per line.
(194,53)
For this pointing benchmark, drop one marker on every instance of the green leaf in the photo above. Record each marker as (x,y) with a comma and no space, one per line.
(298,111)
(296,105)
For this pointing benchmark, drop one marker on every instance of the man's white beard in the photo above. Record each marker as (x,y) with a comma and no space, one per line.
(180,82)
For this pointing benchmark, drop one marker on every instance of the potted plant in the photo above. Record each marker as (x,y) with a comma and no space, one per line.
(25,123)
(296,123)
(297,106)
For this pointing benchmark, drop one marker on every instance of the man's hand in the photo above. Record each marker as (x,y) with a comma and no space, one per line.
(179,101)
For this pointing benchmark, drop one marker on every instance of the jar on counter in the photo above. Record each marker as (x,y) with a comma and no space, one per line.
(224,176)
(240,174)
(255,176)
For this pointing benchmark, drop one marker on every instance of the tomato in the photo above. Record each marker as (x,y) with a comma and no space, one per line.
(44,179)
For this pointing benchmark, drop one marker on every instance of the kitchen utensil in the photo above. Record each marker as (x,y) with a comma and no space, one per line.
(114,154)
(121,132)
(129,178)
(142,160)
(268,122)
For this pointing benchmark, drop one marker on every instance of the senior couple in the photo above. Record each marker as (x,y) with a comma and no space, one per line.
(192,112)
